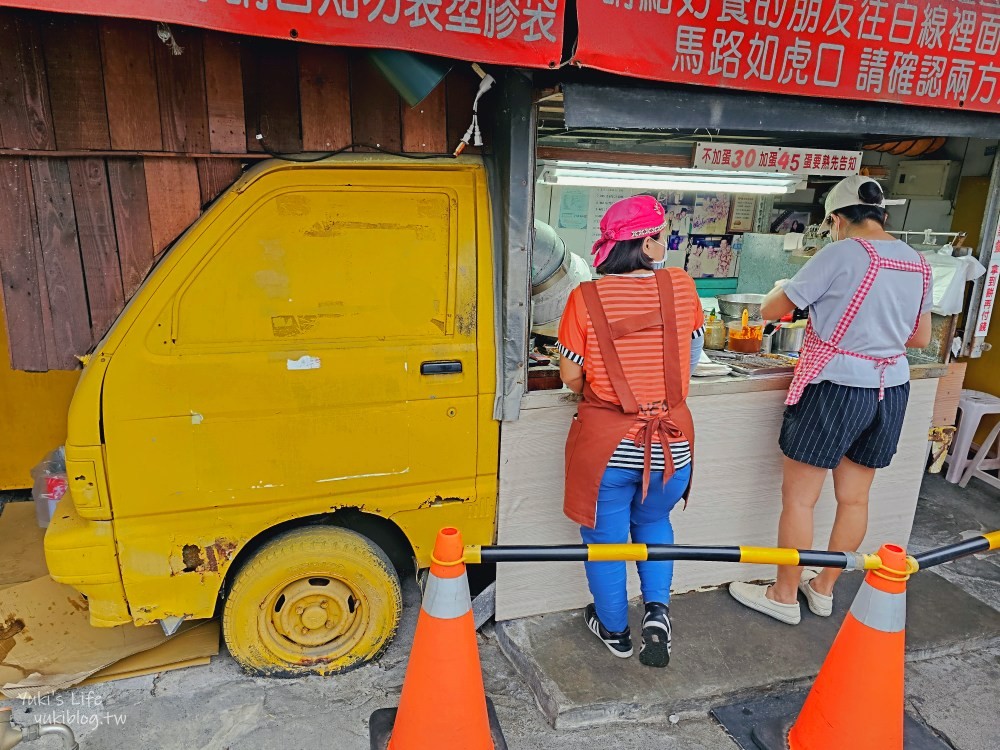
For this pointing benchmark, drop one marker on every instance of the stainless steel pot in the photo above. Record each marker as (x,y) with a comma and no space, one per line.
(732,305)
(789,340)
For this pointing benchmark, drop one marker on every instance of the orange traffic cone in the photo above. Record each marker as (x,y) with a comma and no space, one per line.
(443,705)
(869,649)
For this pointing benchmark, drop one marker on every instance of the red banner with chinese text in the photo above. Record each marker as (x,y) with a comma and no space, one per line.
(934,53)
(504,32)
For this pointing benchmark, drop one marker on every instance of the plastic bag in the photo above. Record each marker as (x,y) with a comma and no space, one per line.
(50,484)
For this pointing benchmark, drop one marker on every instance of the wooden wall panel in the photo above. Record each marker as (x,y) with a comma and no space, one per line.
(63,269)
(98,242)
(79,233)
(271,95)
(224,92)
(461,86)
(183,103)
(25,113)
(76,83)
(948,394)
(43,287)
(325,89)
(19,267)
(130,203)
(215,175)
(425,127)
(375,107)
(174,198)
(130,84)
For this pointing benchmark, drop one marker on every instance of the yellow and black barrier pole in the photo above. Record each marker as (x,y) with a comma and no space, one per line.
(976,544)
(659,552)
(760,555)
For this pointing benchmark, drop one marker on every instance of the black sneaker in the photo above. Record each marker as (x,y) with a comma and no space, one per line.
(619,644)
(656,632)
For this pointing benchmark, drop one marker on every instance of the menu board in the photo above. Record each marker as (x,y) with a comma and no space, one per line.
(734,157)
(744,210)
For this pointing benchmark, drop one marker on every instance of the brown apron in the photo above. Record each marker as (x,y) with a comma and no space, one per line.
(600,426)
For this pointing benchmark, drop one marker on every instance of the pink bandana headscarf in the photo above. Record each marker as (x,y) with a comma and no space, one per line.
(629,219)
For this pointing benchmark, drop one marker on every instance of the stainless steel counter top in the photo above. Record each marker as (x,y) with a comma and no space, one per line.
(720,386)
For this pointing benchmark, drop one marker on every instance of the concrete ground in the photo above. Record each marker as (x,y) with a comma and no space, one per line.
(217,707)
(946,513)
(737,657)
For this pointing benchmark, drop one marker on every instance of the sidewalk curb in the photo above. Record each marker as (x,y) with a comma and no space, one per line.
(522,640)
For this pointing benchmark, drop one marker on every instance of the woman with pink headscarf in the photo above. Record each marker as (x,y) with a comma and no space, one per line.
(629,343)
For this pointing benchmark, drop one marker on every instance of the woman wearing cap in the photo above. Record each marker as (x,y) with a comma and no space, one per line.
(868,296)
(629,343)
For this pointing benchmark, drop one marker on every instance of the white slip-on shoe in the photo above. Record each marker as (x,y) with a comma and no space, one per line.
(755,597)
(819,604)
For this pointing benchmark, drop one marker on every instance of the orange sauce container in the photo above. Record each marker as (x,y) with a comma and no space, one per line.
(745,336)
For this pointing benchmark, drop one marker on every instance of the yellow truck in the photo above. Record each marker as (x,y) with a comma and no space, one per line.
(299,396)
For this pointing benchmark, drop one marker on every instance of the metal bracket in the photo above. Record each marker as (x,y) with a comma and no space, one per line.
(170,625)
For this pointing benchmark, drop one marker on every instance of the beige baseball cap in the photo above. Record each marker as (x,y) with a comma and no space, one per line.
(845,193)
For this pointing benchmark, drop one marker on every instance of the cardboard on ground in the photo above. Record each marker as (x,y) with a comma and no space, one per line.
(46,640)
(22,557)
(47,643)
(193,647)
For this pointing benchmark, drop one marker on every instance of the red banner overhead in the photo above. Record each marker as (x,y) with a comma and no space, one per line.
(934,53)
(505,32)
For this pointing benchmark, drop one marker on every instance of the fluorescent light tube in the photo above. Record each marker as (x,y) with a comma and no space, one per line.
(720,185)
(639,177)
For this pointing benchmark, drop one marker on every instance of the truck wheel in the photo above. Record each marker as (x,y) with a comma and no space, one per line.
(317,600)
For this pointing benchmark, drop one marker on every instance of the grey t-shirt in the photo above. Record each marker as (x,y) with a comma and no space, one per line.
(825,286)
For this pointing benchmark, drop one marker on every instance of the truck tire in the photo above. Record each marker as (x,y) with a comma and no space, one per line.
(316,600)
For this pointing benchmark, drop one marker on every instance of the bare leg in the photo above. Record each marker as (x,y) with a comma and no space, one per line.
(800,491)
(852,483)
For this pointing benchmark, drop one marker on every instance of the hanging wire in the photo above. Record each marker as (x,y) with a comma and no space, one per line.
(314,157)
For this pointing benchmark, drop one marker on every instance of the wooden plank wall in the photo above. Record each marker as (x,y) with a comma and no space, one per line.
(948,394)
(111,145)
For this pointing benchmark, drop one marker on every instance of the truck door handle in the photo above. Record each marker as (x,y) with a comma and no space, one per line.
(440,368)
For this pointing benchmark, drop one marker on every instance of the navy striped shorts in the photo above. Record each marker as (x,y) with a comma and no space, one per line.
(831,421)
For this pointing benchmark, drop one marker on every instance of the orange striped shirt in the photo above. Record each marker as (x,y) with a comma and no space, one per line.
(641,353)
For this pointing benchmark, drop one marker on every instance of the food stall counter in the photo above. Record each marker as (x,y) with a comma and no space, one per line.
(735,499)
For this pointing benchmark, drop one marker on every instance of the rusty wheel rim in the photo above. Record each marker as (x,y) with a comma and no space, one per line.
(313,620)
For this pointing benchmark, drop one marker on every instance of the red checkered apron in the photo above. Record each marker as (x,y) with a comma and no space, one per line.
(817,353)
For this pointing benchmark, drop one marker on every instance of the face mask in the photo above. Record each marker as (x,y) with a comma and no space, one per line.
(660,264)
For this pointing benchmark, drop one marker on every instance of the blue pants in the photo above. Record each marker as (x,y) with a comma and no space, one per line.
(620,509)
